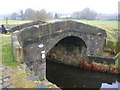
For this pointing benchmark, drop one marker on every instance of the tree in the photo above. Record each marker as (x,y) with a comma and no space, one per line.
(30,14)
(76,15)
(43,15)
(14,16)
(22,15)
(49,15)
(56,16)
(88,14)
(85,14)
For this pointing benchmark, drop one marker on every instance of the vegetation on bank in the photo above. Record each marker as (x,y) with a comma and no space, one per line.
(118,61)
(5,39)
(7,57)
(99,67)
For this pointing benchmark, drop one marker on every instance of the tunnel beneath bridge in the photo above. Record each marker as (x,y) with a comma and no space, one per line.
(70,50)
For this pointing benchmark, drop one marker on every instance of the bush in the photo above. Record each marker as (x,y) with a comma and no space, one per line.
(117,63)
(112,46)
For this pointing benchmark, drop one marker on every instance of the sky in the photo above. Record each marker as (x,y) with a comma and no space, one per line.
(59,6)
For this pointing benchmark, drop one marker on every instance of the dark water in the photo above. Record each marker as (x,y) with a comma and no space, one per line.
(71,77)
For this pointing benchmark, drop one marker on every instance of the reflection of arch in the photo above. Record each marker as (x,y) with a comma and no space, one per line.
(71,47)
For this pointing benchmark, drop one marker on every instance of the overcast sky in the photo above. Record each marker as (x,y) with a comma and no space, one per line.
(61,6)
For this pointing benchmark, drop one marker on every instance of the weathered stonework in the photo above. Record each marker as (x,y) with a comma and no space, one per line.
(33,43)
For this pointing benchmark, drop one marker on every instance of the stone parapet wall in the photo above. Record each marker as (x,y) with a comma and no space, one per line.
(44,29)
(17,48)
(19,27)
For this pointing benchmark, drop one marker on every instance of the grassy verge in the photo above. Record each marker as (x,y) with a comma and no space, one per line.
(5,39)
(7,57)
(6,51)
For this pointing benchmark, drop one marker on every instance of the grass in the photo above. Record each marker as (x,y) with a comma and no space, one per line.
(6,51)
(12,23)
(103,24)
(7,57)
(4,39)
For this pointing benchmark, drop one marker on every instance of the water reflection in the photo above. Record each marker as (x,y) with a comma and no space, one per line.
(71,77)
(114,85)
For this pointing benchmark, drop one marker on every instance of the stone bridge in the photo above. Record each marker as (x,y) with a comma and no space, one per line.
(66,41)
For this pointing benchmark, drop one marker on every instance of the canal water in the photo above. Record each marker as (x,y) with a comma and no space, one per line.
(73,77)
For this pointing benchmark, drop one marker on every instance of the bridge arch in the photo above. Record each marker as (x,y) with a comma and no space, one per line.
(70,50)
(72,40)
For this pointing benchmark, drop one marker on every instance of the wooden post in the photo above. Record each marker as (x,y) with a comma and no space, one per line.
(6,22)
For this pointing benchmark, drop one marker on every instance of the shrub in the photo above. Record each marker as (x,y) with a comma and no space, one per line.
(117,63)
